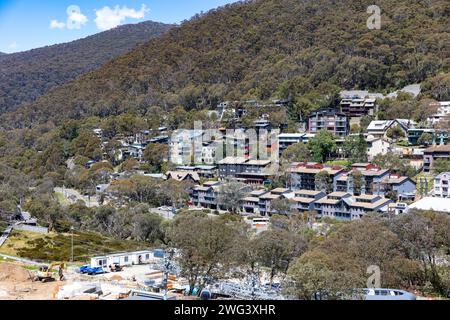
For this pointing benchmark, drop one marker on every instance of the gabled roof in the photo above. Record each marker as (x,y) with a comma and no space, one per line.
(251,199)
(372,205)
(258,193)
(396,180)
(211,183)
(280,190)
(307,192)
(384,125)
(338,194)
(303,200)
(183,175)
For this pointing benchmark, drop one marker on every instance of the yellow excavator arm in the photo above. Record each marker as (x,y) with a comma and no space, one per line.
(46,272)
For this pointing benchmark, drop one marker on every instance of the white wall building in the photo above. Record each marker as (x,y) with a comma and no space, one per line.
(379,128)
(377,146)
(443,112)
(442,185)
(185,146)
(123,259)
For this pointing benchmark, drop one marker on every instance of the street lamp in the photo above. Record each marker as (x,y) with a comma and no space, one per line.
(71,229)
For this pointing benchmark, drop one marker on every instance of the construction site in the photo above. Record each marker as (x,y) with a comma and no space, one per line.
(154,278)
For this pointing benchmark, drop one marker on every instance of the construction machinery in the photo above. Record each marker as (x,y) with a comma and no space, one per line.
(45,273)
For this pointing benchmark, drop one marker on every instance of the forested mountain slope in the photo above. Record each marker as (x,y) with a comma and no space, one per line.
(27,75)
(258,50)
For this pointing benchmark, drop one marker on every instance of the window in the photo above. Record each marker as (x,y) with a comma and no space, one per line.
(126,259)
(147,256)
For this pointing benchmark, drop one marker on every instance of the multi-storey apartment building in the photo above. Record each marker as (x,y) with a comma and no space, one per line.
(355,106)
(206,195)
(442,185)
(329,119)
(245,170)
(287,139)
(250,204)
(430,155)
(303,176)
(443,112)
(265,200)
(305,200)
(186,147)
(230,166)
(364,204)
(403,187)
(372,175)
(342,205)
(440,137)
(338,205)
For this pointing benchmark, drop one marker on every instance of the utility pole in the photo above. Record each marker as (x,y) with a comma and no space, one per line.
(71,229)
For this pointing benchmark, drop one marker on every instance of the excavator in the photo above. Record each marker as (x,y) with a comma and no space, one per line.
(45,273)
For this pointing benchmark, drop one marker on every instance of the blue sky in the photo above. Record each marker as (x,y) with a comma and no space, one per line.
(27,24)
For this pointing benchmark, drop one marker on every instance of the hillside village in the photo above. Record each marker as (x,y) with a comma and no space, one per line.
(372,185)
(341,165)
(264,150)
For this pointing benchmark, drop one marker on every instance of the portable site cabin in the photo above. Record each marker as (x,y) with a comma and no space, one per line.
(123,259)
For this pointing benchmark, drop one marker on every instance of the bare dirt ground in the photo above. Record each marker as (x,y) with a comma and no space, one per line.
(16,284)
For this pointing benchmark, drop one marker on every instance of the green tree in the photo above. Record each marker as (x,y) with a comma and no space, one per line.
(424,238)
(281,206)
(395,133)
(155,155)
(425,139)
(355,148)
(147,227)
(394,163)
(297,152)
(358,181)
(231,194)
(205,246)
(311,278)
(276,248)
(323,181)
(322,145)
(441,165)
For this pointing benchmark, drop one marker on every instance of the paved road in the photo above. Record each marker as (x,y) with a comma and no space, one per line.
(26,261)
(163,212)
(5,235)
(7,232)
(73,196)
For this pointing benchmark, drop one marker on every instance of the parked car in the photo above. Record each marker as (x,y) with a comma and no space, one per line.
(388,294)
(87,269)
(83,269)
(95,270)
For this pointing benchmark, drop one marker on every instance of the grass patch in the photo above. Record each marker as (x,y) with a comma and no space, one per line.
(61,199)
(57,247)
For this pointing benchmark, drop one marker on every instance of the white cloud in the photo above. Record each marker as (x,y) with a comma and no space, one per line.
(108,18)
(75,19)
(55,24)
